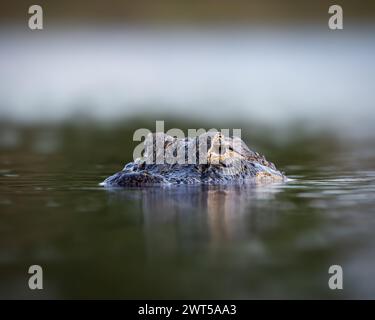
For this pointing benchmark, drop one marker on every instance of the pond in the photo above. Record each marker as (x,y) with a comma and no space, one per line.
(270,241)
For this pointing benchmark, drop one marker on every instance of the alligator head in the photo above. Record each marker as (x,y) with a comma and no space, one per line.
(209,159)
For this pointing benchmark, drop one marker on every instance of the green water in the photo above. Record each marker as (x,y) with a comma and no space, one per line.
(274,241)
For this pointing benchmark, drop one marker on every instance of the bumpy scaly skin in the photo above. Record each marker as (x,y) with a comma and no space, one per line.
(219,160)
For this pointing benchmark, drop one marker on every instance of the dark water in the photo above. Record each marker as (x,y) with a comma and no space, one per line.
(274,241)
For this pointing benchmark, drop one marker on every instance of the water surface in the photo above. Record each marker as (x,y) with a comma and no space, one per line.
(272,241)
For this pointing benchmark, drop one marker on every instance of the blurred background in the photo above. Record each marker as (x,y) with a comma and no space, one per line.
(259,61)
(72,95)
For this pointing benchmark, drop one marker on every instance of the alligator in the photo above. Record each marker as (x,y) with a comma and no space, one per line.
(208,159)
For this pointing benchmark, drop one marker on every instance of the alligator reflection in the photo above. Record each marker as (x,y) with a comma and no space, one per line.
(208,214)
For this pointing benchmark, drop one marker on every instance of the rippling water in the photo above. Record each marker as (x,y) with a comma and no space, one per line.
(272,241)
